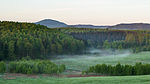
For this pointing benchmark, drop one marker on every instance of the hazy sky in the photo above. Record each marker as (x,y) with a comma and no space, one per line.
(97,12)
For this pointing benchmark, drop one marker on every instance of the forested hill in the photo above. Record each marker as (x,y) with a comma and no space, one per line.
(131,26)
(18,40)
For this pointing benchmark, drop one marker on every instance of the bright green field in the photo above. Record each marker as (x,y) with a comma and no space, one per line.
(89,80)
(83,62)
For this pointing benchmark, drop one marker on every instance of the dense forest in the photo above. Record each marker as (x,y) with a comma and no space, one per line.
(20,40)
(137,40)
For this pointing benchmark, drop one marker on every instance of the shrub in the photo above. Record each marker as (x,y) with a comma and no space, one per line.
(120,70)
(35,67)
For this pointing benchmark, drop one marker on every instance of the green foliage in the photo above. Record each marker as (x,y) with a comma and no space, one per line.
(106,44)
(116,39)
(2,67)
(120,70)
(137,50)
(62,68)
(19,40)
(35,67)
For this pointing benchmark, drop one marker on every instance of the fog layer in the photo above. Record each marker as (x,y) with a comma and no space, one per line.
(92,57)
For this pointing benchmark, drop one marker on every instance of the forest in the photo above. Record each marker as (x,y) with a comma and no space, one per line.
(20,40)
(137,40)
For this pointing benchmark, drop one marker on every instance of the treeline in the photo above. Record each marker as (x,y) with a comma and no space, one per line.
(125,45)
(138,40)
(31,67)
(19,40)
(120,70)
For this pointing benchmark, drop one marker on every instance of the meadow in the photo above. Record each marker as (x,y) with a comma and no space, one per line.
(89,80)
(79,63)
(82,62)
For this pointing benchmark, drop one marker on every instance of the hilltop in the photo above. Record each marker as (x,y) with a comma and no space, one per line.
(51,23)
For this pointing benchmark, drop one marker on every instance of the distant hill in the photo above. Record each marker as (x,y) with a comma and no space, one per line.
(57,24)
(131,26)
(51,23)
(123,26)
(87,26)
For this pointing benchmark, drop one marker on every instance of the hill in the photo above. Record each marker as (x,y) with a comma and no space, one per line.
(123,26)
(51,23)
(87,26)
(57,24)
(131,26)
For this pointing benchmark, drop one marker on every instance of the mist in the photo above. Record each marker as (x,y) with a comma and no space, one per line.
(98,53)
(92,57)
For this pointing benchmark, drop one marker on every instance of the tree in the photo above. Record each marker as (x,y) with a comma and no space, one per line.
(120,47)
(118,69)
(106,44)
(11,50)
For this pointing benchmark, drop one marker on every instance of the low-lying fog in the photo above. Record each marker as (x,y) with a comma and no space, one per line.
(97,53)
(92,57)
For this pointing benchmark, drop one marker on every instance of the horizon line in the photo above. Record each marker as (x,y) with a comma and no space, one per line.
(77,23)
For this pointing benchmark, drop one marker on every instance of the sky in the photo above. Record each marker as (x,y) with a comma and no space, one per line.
(96,12)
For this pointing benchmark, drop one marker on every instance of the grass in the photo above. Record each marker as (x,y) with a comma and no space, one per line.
(83,62)
(90,80)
